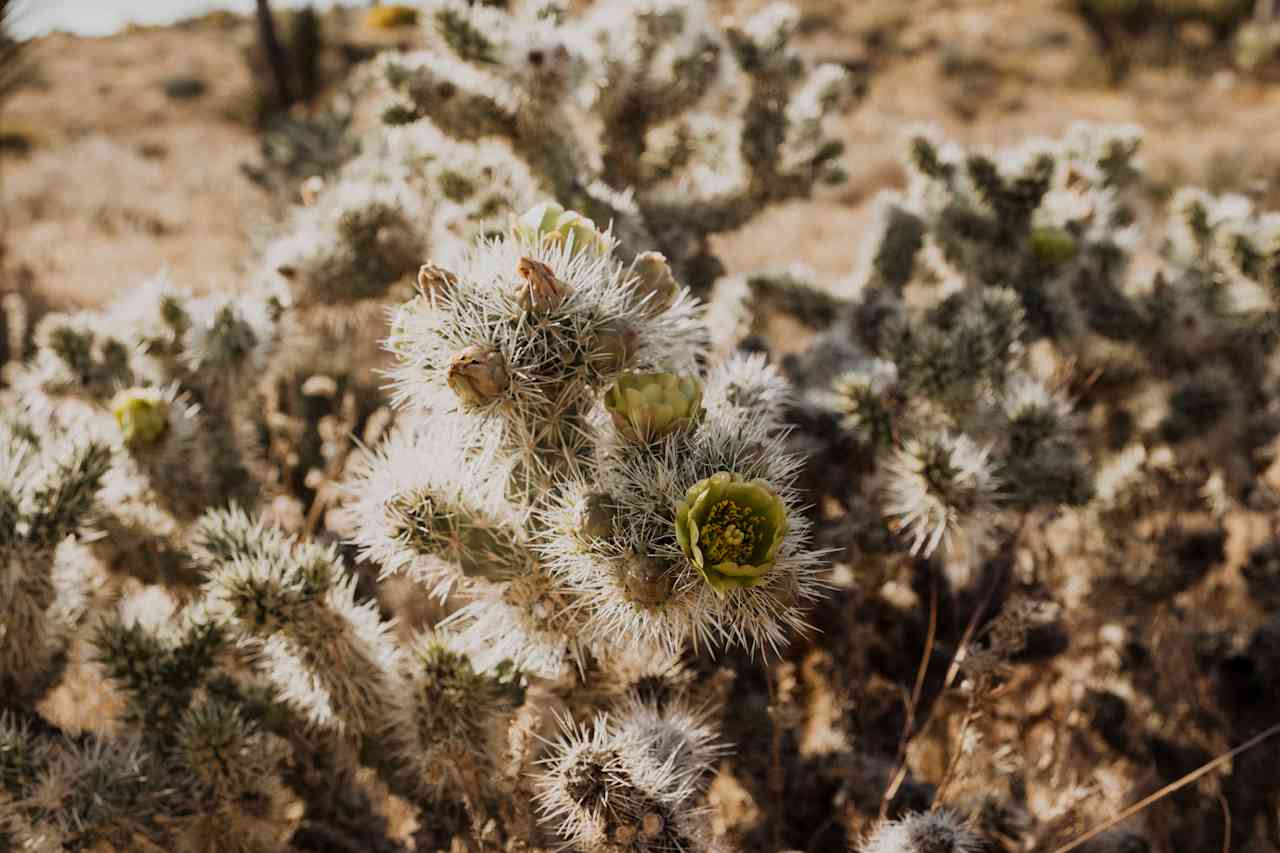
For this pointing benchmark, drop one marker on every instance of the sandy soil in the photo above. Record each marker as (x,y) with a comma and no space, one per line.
(126,177)
(123,180)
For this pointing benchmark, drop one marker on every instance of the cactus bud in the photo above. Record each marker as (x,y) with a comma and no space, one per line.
(655,287)
(311,189)
(595,516)
(477,375)
(652,825)
(615,344)
(648,580)
(647,406)
(435,281)
(142,414)
(539,291)
(1052,245)
(549,224)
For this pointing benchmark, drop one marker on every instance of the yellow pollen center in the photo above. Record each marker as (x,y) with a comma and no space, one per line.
(730,533)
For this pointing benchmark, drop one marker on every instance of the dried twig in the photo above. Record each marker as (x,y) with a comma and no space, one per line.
(1226,823)
(896,780)
(970,714)
(1171,787)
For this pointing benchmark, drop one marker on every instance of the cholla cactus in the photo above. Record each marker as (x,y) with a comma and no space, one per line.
(565,476)
(157,378)
(629,783)
(646,116)
(533,476)
(526,385)
(666,127)
(48,491)
(993,278)
(933,832)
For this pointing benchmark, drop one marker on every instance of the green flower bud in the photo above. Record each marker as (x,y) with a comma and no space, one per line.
(551,225)
(540,291)
(647,406)
(142,413)
(648,580)
(1053,245)
(654,285)
(478,375)
(731,529)
(595,516)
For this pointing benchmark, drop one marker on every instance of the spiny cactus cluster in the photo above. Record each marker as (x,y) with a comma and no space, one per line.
(1038,389)
(648,116)
(503,623)
(936,832)
(1018,340)
(586,496)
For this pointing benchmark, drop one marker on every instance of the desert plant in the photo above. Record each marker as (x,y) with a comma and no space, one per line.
(620,113)
(994,278)
(1043,395)
(435,180)
(580,551)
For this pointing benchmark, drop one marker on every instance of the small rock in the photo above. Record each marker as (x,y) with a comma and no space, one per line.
(184,88)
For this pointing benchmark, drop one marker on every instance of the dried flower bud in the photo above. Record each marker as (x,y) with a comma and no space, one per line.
(595,516)
(648,580)
(615,344)
(652,825)
(478,375)
(540,291)
(311,189)
(549,224)
(647,406)
(142,413)
(435,281)
(654,285)
(731,529)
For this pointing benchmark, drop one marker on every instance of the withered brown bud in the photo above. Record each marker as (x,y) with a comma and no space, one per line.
(654,285)
(595,516)
(540,291)
(648,580)
(652,825)
(615,344)
(478,375)
(311,189)
(435,281)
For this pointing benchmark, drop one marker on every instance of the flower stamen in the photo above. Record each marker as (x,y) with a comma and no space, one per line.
(730,533)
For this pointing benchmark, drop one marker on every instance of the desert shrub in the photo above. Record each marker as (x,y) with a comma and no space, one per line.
(563,464)
(1041,396)
(1196,33)
(568,475)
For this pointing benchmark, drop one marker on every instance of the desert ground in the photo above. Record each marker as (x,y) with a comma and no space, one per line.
(116,178)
